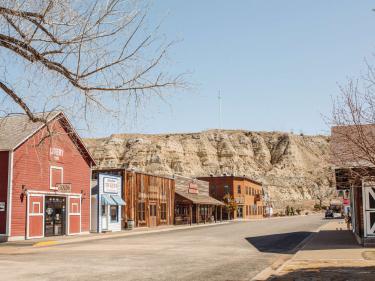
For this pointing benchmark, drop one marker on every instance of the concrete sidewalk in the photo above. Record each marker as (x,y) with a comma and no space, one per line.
(330,254)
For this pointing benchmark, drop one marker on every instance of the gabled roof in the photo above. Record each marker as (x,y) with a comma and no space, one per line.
(16,129)
(352,146)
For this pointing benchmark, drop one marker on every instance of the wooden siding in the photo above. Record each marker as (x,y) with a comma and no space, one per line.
(142,187)
(149,189)
(4,169)
(31,170)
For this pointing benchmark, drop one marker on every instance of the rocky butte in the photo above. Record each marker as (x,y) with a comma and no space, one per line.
(290,166)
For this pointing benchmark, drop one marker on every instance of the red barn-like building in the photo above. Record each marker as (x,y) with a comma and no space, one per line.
(45,173)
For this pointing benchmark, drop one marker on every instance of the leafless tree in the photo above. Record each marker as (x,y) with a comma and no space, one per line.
(80,56)
(353,131)
(322,194)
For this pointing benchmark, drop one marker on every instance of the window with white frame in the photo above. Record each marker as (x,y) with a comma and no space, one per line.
(56,176)
(75,208)
(36,208)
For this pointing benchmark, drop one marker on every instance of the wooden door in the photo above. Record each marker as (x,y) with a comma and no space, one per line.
(369,210)
(153,215)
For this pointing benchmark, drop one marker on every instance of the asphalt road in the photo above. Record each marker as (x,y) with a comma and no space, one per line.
(235,251)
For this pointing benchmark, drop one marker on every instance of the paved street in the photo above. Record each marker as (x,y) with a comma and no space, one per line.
(235,251)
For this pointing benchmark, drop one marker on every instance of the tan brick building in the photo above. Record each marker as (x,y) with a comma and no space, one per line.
(247,193)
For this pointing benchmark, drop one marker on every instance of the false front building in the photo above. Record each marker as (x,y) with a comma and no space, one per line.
(45,173)
(193,204)
(149,198)
(243,196)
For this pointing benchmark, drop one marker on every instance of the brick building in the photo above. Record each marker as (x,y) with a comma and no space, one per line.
(45,173)
(245,192)
(193,203)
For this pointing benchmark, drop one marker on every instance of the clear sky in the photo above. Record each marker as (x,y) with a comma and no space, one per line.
(276,63)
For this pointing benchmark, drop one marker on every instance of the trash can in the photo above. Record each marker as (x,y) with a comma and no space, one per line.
(130,224)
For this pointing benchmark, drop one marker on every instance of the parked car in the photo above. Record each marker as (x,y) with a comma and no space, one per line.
(334,211)
(329,214)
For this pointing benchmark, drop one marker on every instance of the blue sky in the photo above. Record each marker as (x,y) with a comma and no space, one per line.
(276,63)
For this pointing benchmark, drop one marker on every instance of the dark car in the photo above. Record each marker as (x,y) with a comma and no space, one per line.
(329,213)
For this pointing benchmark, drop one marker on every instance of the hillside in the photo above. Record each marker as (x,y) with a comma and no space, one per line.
(290,166)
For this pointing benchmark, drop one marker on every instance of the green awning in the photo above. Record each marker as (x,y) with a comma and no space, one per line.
(107,200)
(118,200)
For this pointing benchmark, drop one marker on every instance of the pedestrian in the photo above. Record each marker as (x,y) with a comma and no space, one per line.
(348,220)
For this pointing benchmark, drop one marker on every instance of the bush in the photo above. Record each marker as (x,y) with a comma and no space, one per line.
(317,207)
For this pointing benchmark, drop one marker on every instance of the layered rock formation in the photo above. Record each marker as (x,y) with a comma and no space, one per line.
(290,166)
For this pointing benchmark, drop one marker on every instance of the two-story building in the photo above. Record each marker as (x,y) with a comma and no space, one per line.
(149,198)
(193,203)
(45,174)
(246,194)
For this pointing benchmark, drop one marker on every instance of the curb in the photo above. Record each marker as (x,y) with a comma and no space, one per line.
(282,261)
(28,244)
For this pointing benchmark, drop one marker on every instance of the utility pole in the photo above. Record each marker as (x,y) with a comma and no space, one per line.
(219,98)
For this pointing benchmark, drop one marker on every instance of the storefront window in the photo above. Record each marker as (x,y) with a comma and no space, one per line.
(114,213)
(163,211)
(226,189)
(141,211)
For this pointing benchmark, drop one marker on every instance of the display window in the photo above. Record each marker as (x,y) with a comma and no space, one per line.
(114,213)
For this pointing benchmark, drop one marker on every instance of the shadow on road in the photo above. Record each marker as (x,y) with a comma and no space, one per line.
(283,243)
(328,273)
(286,243)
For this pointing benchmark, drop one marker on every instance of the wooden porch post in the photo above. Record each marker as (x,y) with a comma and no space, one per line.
(215,213)
(197,213)
(221,213)
(205,213)
(191,213)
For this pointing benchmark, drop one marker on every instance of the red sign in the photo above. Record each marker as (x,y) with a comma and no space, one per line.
(193,188)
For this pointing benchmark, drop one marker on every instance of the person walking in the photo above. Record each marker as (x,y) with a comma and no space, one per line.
(348,220)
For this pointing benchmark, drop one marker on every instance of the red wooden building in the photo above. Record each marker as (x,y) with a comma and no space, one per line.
(45,173)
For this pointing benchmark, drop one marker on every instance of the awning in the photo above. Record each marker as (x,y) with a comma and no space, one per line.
(107,200)
(202,199)
(118,200)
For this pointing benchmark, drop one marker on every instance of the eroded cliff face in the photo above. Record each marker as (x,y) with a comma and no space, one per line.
(290,166)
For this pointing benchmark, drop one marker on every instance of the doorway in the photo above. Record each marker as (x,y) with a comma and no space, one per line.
(55,216)
(240,212)
(153,214)
(369,206)
(104,217)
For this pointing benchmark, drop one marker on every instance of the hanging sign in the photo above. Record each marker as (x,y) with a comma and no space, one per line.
(2,206)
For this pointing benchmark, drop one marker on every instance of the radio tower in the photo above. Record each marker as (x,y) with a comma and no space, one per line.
(219,98)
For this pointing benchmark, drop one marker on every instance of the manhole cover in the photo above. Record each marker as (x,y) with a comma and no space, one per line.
(369,255)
